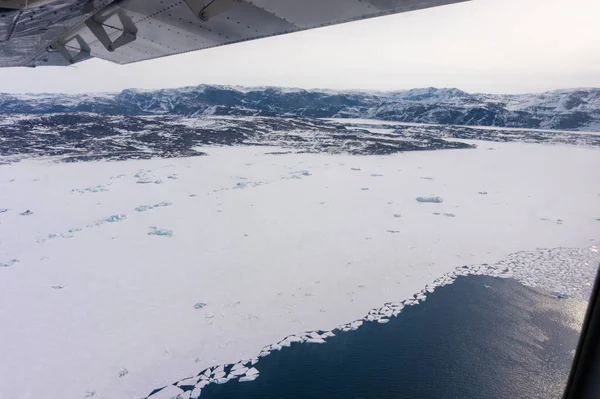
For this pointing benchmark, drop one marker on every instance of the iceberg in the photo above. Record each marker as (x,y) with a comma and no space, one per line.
(435,200)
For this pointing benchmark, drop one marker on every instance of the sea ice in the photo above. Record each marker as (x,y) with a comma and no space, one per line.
(168,392)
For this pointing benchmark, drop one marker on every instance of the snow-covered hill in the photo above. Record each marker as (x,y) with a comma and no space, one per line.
(571,109)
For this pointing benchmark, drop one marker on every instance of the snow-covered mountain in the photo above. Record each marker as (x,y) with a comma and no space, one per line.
(571,109)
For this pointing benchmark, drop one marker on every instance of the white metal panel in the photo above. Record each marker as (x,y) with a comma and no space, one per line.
(166,27)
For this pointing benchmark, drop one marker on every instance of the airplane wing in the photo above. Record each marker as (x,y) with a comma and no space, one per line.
(63,32)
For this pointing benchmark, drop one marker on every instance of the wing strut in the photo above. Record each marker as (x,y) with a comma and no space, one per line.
(96,26)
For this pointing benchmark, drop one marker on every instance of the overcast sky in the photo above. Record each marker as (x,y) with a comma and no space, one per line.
(496,46)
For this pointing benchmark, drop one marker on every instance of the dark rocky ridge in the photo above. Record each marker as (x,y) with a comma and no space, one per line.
(90,136)
(572,109)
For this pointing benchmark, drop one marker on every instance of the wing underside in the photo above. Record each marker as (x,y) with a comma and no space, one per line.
(64,32)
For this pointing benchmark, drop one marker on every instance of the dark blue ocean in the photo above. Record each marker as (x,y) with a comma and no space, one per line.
(465,341)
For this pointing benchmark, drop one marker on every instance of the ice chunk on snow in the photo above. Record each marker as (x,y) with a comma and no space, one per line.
(26,213)
(155,231)
(199,305)
(96,189)
(144,180)
(435,200)
(143,208)
(9,263)
(2,210)
(115,218)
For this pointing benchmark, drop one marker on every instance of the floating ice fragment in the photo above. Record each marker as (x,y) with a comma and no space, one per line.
(154,231)
(383,321)
(563,296)
(196,392)
(9,263)
(252,371)
(249,378)
(435,200)
(315,341)
(26,213)
(238,372)
(199,305)
(241,185)
(486,286)
(115,218)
